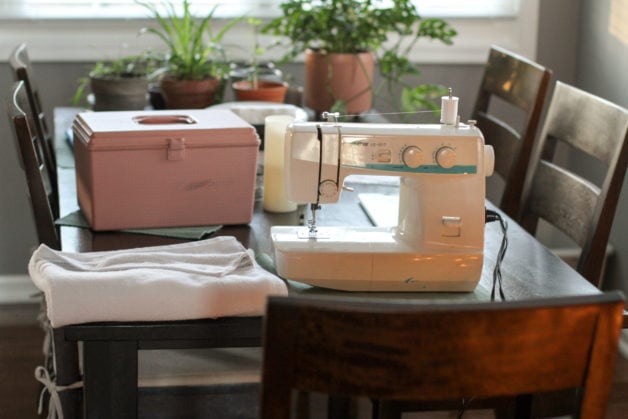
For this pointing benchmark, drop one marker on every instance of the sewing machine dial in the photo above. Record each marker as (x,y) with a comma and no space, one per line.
(412,157)
(445,157)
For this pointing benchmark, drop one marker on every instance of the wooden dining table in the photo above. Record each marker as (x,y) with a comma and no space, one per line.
(529,271)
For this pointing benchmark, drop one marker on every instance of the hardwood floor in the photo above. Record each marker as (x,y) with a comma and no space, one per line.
(618,405)
(21,351)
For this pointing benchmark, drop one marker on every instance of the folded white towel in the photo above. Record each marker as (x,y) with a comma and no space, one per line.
(210,278)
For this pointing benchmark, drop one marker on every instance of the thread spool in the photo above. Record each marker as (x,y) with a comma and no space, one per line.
(448,109)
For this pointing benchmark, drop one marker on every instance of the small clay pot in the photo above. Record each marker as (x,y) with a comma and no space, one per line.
(119,93)
(189,94)
(266,91)
(332,77)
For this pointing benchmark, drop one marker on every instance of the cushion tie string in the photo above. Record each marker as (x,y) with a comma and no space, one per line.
(54,405)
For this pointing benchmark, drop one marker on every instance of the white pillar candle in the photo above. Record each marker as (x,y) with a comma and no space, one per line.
(275,197)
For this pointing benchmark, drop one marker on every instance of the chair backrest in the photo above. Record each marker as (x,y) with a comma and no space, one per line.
(565,197)
(403,352)
(523,84)
(30,152)
(22,70)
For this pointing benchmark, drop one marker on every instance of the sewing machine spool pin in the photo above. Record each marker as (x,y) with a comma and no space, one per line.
(330,116)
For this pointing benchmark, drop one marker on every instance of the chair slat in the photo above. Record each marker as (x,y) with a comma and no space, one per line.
(504,139)
(565,189)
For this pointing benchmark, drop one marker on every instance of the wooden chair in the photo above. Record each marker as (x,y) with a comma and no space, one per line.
(163,374)
(523,84)
(565,197)
(401,352)
(31,151)
(206,375)
(43,198)
(22,69)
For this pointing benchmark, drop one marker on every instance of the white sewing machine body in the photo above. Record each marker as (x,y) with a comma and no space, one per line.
(439,240)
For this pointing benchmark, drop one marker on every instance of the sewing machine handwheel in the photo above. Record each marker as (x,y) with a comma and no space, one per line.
(328,188)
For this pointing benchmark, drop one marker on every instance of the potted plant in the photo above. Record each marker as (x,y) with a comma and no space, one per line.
(196,66)
(342,39)
(120,84)
(253,87)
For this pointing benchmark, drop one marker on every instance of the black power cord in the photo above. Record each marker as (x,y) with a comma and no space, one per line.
(491,216)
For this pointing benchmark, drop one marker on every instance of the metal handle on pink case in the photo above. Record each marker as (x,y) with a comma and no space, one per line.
(164,119)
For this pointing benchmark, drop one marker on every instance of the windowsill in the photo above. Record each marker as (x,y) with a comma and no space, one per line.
(79,40)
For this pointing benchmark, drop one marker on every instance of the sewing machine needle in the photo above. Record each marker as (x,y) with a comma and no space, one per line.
(312,223)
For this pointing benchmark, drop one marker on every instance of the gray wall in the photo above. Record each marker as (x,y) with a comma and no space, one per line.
(577,46)
(602,69)
(589,56)
(17,232)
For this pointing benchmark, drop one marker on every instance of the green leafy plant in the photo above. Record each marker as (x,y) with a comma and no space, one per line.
(256,50)
(254,68)
(388,28)
(194,50)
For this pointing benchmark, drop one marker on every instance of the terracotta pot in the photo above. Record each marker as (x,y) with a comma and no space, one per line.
(188,94)
(332,77)
(119,94)
(266,91)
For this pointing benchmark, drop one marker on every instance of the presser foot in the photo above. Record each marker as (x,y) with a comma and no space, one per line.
(311,224)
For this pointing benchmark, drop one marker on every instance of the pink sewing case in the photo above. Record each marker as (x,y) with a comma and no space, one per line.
(173,168)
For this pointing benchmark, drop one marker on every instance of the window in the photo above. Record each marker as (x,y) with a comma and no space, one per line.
(124,9)
(87,30)
(229,8)
(468,9)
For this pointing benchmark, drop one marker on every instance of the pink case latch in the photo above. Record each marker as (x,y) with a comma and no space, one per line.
(176,148)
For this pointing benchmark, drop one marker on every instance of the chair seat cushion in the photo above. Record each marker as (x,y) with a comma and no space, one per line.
(210,278)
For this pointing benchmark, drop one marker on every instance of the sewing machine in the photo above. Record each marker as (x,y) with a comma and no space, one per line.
(439,240)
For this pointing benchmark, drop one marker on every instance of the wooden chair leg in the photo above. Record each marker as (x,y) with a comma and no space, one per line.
(523,407)
(303,405)
(386,410)
(66,360)
(338,408)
